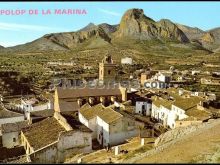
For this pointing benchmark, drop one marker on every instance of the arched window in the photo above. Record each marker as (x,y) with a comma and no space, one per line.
(109,71)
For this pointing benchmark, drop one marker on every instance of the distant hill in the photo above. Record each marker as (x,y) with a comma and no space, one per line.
(211,40)
(208,39)
(191,32)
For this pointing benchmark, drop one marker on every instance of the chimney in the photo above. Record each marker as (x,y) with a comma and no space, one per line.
(79,101)
(113,99)
(28,116)
(123,93)
(91,100)
(102,100)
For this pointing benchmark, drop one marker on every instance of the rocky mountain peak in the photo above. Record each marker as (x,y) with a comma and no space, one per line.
(135,24)
(133,14)
(88,27)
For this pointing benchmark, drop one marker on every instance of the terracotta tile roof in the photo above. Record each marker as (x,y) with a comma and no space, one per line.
(187,103)
(198,114)
(68,105)
(19,160)
(105,113)
(86,92)
(43,113)
(166,103)
(14,127)
(85,106)
(73,121)
(43,133)
(4,113)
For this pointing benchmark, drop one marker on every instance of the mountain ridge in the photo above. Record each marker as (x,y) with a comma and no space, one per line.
(134,24)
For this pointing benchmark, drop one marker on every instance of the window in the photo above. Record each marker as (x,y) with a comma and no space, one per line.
(14,139)
(109,71)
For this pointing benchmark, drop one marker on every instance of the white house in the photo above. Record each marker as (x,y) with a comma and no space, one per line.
(11,133)
(143,106)
(195,72)
(161,110)
(54,139)
(201,94)
(169,112)
(7,116)
(164,77)
(108,125)
(34,105)
(126,60)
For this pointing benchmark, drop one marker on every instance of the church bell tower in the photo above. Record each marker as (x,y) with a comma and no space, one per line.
(107,69)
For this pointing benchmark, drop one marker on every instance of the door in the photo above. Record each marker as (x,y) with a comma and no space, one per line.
(143,110)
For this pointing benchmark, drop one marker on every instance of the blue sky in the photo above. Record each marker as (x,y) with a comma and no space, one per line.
(19,29)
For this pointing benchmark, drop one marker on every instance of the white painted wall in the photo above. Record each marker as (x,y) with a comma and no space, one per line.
(147,107)
(74,140)
(164,78)
(90,124)
(7,139)
(67,142)
(168,116)
(29,107)
(121,130)
(103,126)
(155,111)
(179,112)
(83,120)
(126,60)
(114,133)
(120,137)
(11,120)
(46,155)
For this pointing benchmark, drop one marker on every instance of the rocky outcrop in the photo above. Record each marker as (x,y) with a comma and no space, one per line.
(108,28)
(193,33)
(135,24)
(178,133)
(174,134)
(208,37)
